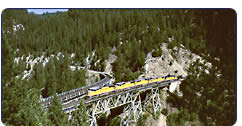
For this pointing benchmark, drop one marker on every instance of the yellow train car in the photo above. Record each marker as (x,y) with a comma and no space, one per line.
(153,80)
(129,84)
(94,93)
(138,82)
(171,77)
(126,85)
(108,89)
(120,85)
(146,81)
(159,79)
(103,90)
(94,90)
(142,82)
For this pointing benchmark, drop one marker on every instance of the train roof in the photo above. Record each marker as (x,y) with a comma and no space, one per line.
(119,83)
(158,77)
(170,76)
(95,88)
(138,80)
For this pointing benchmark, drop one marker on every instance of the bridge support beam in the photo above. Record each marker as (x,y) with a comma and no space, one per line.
(132,102)
(92,116)
(154,98)
(132,112)
(103,105)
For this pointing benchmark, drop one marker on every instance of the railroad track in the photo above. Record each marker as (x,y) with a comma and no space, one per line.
(76,93)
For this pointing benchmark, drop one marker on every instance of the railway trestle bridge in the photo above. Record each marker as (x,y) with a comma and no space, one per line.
(133,101)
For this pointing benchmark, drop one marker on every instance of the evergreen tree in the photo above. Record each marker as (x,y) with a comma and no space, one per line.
(80,117)
(83,31)
(31,111)
(56,115)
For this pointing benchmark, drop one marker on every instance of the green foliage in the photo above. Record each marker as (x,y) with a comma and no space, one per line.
(57,116)
(21,107)
(128,65)
(140,121)
(183,118)
(134,33)
(57,77)
(204,94)
(79,117)
(157,115)
(31,111)
(109,120)
(211,99)
(157,53)
(115,121)
(164,111)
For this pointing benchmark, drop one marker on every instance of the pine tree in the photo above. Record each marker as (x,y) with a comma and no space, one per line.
(80,117)
(31,110)
(56,115)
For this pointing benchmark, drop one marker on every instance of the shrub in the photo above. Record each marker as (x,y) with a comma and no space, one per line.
(164,111)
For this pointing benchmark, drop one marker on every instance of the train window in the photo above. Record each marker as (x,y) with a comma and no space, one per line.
(170,75)
(119,84)
(95,88)
(115,83)
(91,89)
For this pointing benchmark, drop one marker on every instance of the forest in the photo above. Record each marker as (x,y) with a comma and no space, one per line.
(134,33)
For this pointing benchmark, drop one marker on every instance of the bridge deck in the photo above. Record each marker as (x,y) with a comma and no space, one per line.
(75,102)
(79,92)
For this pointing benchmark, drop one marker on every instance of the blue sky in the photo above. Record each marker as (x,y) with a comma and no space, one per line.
(41,11)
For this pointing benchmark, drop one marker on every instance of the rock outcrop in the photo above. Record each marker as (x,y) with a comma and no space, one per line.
(174,62)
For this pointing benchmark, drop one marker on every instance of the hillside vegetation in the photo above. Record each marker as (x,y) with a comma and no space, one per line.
(134,33)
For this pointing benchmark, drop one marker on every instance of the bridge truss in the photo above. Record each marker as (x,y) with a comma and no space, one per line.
(131,102)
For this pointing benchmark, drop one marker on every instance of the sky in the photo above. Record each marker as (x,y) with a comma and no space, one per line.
(41,11)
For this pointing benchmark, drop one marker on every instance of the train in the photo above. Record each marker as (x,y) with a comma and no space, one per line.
(122,86)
